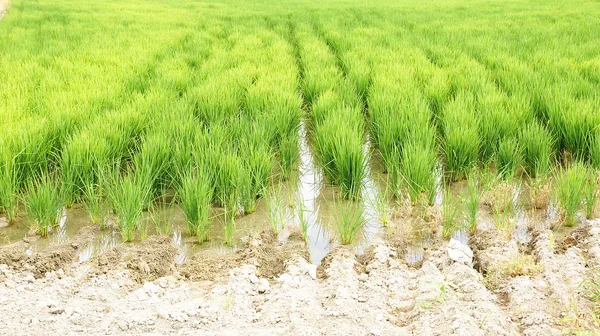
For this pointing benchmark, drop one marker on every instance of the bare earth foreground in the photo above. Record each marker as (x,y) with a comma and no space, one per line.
(270,289)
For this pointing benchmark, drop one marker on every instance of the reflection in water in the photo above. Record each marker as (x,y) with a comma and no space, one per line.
(100,244)
(369,198)
(415,253)
(310,183)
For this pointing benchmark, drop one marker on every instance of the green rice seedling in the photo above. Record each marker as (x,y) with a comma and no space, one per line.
(451,214)
(590,192)
(195,194)
(339,150)
(473,198)
(508,157)
(568,187)
(461,138)
(350,222)
(228,176)
(258,163)
(8,188)
(595,150)
(276,208)
(128,197)
(289,155)
(537,144)
(417,169)
(392,167)
(94,203)
(43,204)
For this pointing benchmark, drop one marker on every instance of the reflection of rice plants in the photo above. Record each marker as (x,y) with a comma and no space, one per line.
(276,209)
(350,221)
(161,215)
(94,203)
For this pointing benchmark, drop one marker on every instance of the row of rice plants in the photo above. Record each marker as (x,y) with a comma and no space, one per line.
(336,116)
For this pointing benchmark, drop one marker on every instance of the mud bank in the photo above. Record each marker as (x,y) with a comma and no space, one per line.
(268,289)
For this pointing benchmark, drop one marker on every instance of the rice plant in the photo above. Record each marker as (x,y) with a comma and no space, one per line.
(508,157)
(461,137)
(258,163)
(195,194)
(128,197)
(9,188)
(350,221)
(568,187)
(339,148)
(161,215)
(43,204)
(537,144)
(590,192)
(472,200)
(451,214)
(417,169)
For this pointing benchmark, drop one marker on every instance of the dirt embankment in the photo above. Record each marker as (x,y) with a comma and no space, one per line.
(266,288)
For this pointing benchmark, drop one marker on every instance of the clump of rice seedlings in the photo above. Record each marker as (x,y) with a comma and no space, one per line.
(289,155)
(595,150)
(350,222)
(417,169)
(128,197)
(569,185)
(258,164)
(276,208)
(590,192)
(228,175)
(195,194)
(508,157)
(8,188)
(537,145)
(94,203)
(339,149)
(473,198)
(43,204)
(229,216)
(392,167)
(451,214)
(461,139)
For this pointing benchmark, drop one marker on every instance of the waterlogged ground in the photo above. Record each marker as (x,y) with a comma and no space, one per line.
(483,283)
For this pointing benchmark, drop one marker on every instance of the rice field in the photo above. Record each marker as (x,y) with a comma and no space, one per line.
(215,109)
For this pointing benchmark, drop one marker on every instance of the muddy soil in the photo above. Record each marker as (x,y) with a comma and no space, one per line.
(269,288)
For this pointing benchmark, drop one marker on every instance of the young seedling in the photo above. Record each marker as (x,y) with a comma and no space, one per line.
(43,204)
(569,185)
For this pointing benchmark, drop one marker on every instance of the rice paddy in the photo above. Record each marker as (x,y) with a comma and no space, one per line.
(118,106)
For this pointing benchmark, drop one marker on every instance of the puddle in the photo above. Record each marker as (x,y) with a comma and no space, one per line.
(310,184)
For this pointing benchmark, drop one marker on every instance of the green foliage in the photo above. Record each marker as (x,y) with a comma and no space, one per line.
(569,185)
(195,194)
(43,204)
